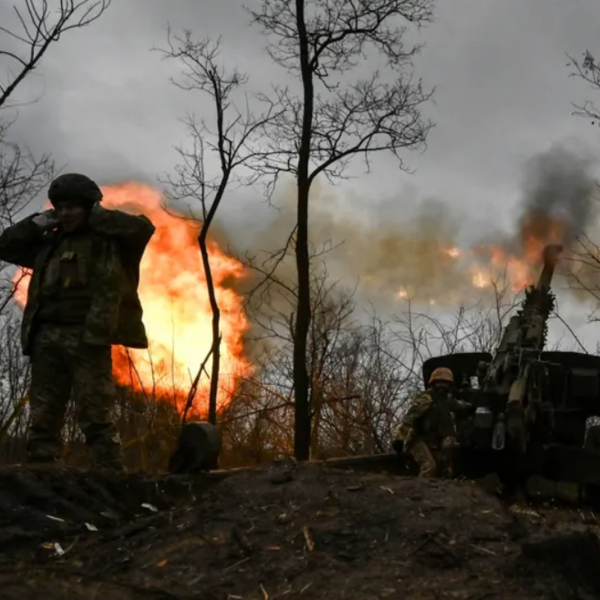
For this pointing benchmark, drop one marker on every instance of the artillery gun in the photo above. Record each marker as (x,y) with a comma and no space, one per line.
(532,407)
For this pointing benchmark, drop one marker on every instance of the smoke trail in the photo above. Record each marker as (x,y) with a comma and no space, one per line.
(558,199)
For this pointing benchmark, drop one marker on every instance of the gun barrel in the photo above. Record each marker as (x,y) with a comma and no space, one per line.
(550,255)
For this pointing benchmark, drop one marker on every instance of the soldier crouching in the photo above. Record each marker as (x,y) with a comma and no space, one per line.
(427,430)
(82,299)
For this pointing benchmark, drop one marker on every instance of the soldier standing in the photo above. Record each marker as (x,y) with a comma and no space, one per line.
(427,430)
(82,299)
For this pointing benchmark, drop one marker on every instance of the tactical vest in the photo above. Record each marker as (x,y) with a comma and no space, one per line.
(438,421)
(66,282)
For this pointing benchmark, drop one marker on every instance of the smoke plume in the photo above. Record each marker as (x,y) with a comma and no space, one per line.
(437,254)
(558,199)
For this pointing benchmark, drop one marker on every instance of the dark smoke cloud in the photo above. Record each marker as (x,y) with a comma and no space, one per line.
(415,253)
(558,197)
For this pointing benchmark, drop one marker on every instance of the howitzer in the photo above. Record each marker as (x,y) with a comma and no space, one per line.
(532,407)
(512,401)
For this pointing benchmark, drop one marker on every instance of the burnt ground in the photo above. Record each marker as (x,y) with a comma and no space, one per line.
(284,532)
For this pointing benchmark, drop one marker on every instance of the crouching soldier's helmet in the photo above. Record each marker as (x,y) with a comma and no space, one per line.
(73,187)
(442,375)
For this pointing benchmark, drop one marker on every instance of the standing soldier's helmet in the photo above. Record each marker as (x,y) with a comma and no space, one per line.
(73,187)
(442,375)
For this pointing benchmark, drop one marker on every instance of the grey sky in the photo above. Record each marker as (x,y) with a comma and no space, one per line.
(503,94)
(499,65)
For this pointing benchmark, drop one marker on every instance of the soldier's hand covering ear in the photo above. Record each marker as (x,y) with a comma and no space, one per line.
(46,220)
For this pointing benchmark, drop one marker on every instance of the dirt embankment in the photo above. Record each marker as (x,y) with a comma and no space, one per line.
(283,532)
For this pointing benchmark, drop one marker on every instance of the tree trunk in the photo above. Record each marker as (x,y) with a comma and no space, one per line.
(316,405)
(302,425)
(216,325)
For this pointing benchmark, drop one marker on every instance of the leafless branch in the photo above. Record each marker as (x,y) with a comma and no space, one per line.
(338,115)
(22,177)
(377,113)
(235,138)
(587,69)
(38,24)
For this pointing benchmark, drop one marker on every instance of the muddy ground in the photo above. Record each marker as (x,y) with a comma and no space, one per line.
(284,532)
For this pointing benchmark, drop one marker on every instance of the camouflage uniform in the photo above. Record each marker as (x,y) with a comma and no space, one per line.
(427,423)
(82,299)
(63,366)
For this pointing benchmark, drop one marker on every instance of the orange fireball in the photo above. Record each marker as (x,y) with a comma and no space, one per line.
(516,263)
(538,230)
(177,312)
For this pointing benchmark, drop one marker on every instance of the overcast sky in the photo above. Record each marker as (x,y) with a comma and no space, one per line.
(503,95)
(503,91)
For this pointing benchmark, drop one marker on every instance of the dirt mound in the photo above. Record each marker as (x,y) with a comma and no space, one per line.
(283,532)
(41,504)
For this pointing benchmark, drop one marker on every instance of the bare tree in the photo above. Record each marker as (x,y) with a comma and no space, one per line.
(24,40)
(587,69)
(14,383)
(335,119)
(583,269)
(357,376)
(40,24)
(476,328)
(234,137)
(35,27)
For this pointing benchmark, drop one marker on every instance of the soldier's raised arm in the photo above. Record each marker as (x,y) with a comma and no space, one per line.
(133,232)
(20,243)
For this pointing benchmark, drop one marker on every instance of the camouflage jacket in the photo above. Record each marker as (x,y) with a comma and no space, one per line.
(115,315)
(427,418)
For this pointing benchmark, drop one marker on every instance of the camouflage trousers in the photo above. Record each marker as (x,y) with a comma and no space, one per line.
(64,368)
(432,461)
